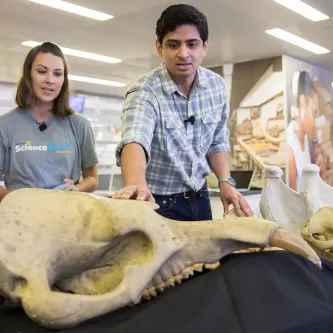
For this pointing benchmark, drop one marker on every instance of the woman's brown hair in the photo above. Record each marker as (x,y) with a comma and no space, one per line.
(25,96)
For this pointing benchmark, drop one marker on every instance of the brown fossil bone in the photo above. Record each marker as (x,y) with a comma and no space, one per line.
(318,232)
(67,257)
(245,128)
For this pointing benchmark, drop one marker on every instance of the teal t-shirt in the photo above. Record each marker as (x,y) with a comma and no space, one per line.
(42,159)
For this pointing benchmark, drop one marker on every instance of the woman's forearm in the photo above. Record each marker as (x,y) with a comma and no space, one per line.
(88,184)
(3,193)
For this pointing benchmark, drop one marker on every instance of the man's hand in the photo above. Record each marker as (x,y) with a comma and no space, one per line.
(229,195)
(138,192)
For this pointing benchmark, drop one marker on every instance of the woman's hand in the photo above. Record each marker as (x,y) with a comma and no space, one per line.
(70,185)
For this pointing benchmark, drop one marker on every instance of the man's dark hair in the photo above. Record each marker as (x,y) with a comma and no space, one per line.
(177,15)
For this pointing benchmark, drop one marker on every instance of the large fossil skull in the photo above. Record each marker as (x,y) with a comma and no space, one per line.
(67,257)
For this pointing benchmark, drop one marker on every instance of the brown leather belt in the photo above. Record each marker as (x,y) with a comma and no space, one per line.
(191,194)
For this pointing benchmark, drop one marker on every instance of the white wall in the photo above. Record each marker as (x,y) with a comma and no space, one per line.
(7,97)
(103,112)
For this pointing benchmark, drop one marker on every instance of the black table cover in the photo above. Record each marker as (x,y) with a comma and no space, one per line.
(267,292)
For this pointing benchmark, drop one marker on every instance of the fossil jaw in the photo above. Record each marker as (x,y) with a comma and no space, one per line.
(177,279)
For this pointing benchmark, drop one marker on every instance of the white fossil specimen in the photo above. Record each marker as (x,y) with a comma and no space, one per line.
(291,209)
(279,203)
(308,214)
(66,257)
(320,192)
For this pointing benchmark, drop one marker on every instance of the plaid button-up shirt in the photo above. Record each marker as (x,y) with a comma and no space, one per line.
(153,116)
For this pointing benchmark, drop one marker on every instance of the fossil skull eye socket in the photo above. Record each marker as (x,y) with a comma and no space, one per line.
(134,248)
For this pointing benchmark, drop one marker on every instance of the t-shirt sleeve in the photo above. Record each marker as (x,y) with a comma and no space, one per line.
(88,151)
(2,152)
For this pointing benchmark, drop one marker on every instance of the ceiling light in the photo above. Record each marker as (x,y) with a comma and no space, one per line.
(303,9)
(95,81)
(298,41)
(75,9)
(77,53)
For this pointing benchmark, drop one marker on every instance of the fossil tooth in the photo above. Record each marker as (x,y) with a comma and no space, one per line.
(212,266)
(197,267)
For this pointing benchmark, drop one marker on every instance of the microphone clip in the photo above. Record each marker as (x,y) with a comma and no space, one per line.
(191,120)
(42,126)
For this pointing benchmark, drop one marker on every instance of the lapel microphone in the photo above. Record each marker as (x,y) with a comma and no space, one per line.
(42,126)
(190,120)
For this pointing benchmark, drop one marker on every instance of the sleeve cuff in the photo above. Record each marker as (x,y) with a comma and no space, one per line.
(222,147)
(139,140)
(89,165)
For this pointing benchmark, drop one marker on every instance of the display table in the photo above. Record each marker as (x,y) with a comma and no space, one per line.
(254,152)
(267,292)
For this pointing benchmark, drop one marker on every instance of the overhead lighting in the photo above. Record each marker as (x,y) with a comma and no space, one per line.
(298,41)
(75,9)
(303,9)
(95,81)
(77,53)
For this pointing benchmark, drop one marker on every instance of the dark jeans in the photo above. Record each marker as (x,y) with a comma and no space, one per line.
(184,209)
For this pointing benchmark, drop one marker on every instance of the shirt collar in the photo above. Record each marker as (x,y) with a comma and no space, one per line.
(201,80)
(169,86)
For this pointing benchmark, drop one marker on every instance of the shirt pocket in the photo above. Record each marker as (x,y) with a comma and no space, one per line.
(209,122)
(175,135)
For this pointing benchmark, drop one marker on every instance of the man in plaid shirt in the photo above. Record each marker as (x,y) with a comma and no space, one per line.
(175,126)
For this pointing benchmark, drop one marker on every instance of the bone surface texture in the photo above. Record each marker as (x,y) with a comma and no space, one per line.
(67,257)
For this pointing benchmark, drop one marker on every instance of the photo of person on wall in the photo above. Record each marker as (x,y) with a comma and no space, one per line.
(302,140)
